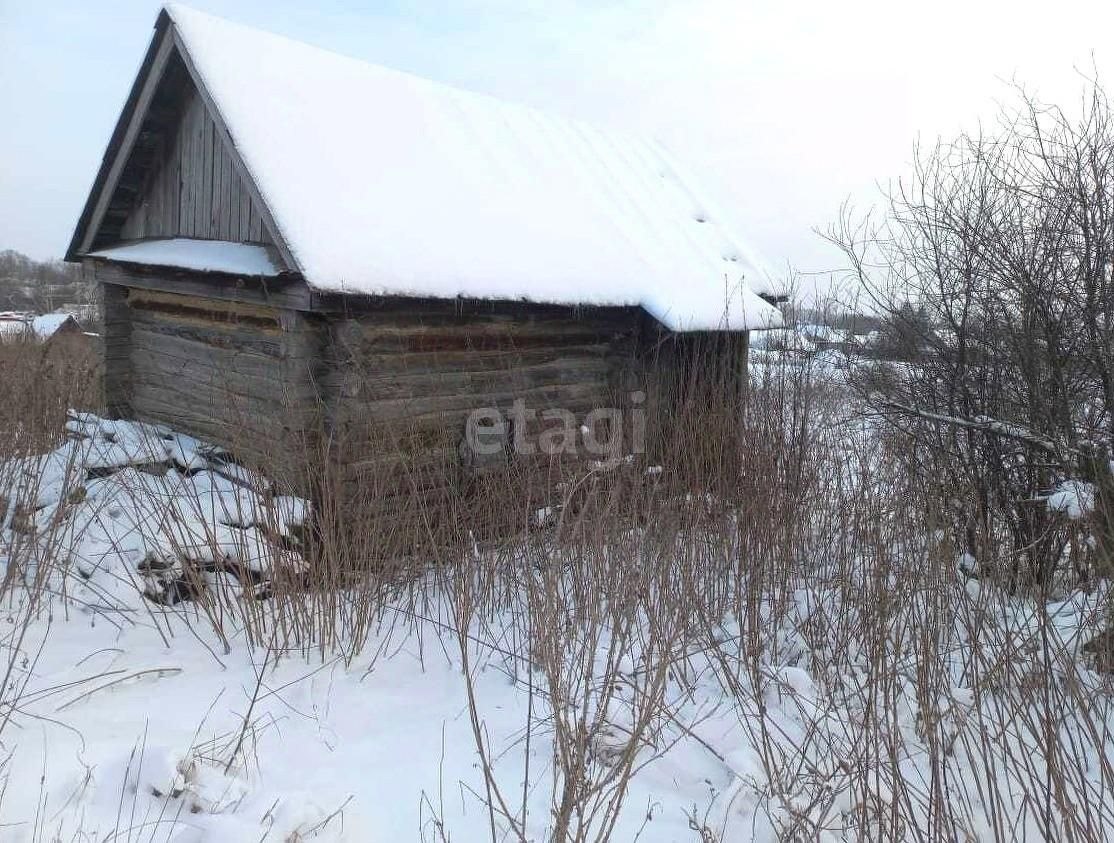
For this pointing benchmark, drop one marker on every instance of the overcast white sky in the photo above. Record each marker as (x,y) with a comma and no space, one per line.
(783,110)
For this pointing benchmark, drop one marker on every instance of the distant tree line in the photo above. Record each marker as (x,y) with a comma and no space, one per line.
(40,286)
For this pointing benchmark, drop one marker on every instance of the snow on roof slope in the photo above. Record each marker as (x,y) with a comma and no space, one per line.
(47,325)
(202,255)
(385,183)
(36,327)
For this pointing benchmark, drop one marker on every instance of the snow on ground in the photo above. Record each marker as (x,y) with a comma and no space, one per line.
(136,717)
(126,719)
(128,504)
(1074,498)
(121,727)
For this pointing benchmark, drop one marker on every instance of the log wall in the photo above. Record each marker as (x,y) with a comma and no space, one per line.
(387,388)
(391,384)
(402,383)
(236,373)
(116,342)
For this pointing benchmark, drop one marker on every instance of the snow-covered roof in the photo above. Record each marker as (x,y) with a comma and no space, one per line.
(383,183)
(203,255)
(39,328)
(47,325)
(782,339)
(824,333)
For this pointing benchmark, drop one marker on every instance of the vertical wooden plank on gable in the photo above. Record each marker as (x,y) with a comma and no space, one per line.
(196,175)
(183,157)
(214,193)
(245,211)
(256,225)
(215,185)
(186,219)
(179,151)
(219,229)
(227,208)
(193,170)
(233,202)
(169,187)
(132,228)
(158,188)
(208,143)
(163,186)
(213,169)
(153,198)
(174,188)
(197,129)
(156,194)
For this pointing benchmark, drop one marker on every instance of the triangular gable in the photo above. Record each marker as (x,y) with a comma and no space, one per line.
(171,168)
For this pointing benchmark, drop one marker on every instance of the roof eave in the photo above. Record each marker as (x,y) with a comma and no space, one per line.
(773,298)
(162,24)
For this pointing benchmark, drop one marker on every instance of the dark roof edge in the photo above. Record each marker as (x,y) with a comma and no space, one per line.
(162,23)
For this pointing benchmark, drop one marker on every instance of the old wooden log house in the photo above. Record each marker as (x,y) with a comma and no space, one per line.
(288,240)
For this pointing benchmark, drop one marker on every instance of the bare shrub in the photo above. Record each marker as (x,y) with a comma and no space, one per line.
(993,264)
(775,568)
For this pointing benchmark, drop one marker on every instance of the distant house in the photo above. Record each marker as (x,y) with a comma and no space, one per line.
(827,338)
(289,239)
(53,325)
(823,335)
(788,340)
(58,332)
